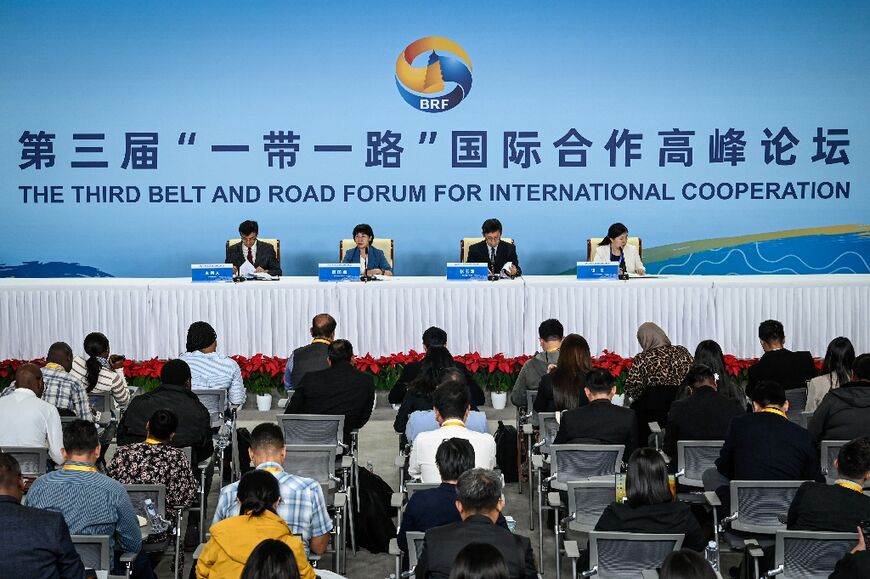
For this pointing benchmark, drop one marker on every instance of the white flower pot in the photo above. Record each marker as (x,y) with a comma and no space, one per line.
(264,402)
(499,400)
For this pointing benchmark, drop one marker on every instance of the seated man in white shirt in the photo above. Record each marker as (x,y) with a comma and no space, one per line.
(451,411)
(27,420)
(210,369)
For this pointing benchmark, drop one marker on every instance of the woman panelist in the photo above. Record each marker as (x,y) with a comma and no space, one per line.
(371,259)
(615,248)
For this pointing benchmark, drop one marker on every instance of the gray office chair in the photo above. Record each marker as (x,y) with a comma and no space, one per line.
(627,555)
(809,554)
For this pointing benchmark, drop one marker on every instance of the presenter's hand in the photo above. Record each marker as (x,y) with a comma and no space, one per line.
(259,270)
(235,271)
(512,271)
(374,271)
(861,546)
(641,272)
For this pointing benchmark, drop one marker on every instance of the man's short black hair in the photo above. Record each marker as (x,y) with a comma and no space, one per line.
(853,460)
(59,351)
(479,489)
(323,326)
(434,336)
(340,352)
(551,330)
(451,400)
(162,424)
(248,227)
(770,331)
(80,436)
(861,367)
(454,457)
(599,381)
(175,372)
(491,226)
(698,375)
(10,471)
(768,392)
(267,436)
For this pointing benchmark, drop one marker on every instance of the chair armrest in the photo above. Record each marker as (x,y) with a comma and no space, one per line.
(753,548)
(397,500)
(554,499)
(340,500)
(654,427)
(528,429)
(128,557)
(537,461)
(198,552)
(712,499)
(394,548)
(204,464)
(572,551)
(401,460)
(346,461)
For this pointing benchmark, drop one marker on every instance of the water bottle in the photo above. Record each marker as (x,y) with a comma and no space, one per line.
(711,554)
(158,523)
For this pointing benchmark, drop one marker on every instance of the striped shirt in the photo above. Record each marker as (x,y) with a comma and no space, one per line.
(108,381)
(215,371)
(90,502)
(62,391)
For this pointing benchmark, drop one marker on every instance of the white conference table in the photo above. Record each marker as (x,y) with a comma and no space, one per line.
(144,318)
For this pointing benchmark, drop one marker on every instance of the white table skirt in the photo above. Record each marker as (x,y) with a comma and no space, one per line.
(144,318)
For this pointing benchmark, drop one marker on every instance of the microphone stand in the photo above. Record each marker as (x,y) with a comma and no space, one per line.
(364,275)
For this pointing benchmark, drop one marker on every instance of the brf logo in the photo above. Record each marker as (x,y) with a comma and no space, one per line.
(442,83)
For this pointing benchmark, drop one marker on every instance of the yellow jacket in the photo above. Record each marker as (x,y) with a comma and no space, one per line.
(233,540)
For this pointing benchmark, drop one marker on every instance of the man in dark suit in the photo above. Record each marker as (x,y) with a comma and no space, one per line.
(479,504)
(791,369)
(35,542)
(340,389)
(842,505)
(259,253)
(844,413)
(494,251)
(704,415)
(600,421)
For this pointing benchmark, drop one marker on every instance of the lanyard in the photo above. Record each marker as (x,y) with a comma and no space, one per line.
(847,484)
(272,469)
(152,441)
(776,411)
(320,341)
(53,366)
(79,467)
(452,422)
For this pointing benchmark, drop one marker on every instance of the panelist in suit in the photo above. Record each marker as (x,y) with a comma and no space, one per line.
(791,369)
(260,254)
(614,248)
(371,259)
(495,252)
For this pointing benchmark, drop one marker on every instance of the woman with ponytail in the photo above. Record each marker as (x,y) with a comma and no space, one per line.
(234,539)
(102,372)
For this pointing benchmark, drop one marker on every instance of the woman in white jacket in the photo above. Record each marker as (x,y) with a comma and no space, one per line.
(614,248)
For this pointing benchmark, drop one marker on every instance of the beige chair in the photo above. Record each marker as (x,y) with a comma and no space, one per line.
(593,242)
(466,242)
(276,243)
(383,243)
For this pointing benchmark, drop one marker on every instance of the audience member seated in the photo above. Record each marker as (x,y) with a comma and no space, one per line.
(479,504)
(764,445)
(842,505)
(210,369)
(155,462)
(419,394)
(649,505)
(311,357)
(704,415)
(194,421)
(234,539)
(479,561)
(451,411)
(844,413)
(424,420)
(659,364)
(340,389)
(302,505)
(686,564)
(600,421)
(550,334)
(271,559)
(27,419)
(855,564)
(90,502)
(36,542)
(790,369)
(432,337)
(102,372)
(836,370)
(709,353)
(562,389)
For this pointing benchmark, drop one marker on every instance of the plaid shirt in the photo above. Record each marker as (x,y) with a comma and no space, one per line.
(63,391)
(302,504)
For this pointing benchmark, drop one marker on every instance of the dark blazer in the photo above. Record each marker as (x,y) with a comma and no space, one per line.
(442,544)
(376,258)
(705,415)
(412,370)
(599,422)
(852,566)
(844,414)
(790,369)
(505,252)
(545,401)
(340,389)
(822,507)
(194,420)
(265,257)
(36,543)
(663,518)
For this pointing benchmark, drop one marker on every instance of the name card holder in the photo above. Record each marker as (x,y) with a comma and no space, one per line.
(592,270)
(211,272)
(467,271)
(338,271)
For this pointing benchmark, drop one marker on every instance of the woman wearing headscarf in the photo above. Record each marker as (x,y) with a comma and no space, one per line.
(660,363)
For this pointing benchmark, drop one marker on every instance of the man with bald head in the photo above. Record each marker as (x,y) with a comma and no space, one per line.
(311,357)
(27,419)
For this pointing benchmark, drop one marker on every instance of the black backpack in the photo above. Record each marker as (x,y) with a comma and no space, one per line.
(506,452)
(373,521)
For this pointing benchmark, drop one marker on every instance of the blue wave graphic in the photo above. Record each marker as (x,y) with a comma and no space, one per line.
(50,269)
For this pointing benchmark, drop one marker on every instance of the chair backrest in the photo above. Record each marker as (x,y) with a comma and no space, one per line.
(587,499)
(625,555)
(93,550)
(467,242)
(385,244)
(314,461)
(694,457)
(797,403)
(415,546)
(275,243)
(33,460)
(572,462)
(530,407)
(830,450)
(810,554)
(101,402)
(312,428)
(548,429)
(138,494)
(413,487)
(759,504)
(215,401)
(64,420)
(592,245)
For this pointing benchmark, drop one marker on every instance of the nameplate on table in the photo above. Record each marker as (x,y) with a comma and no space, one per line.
(593,270)
(211,272)
(467,271)
(338,271)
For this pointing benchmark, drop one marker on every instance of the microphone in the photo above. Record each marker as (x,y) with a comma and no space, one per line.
(623,274)
(364,274)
